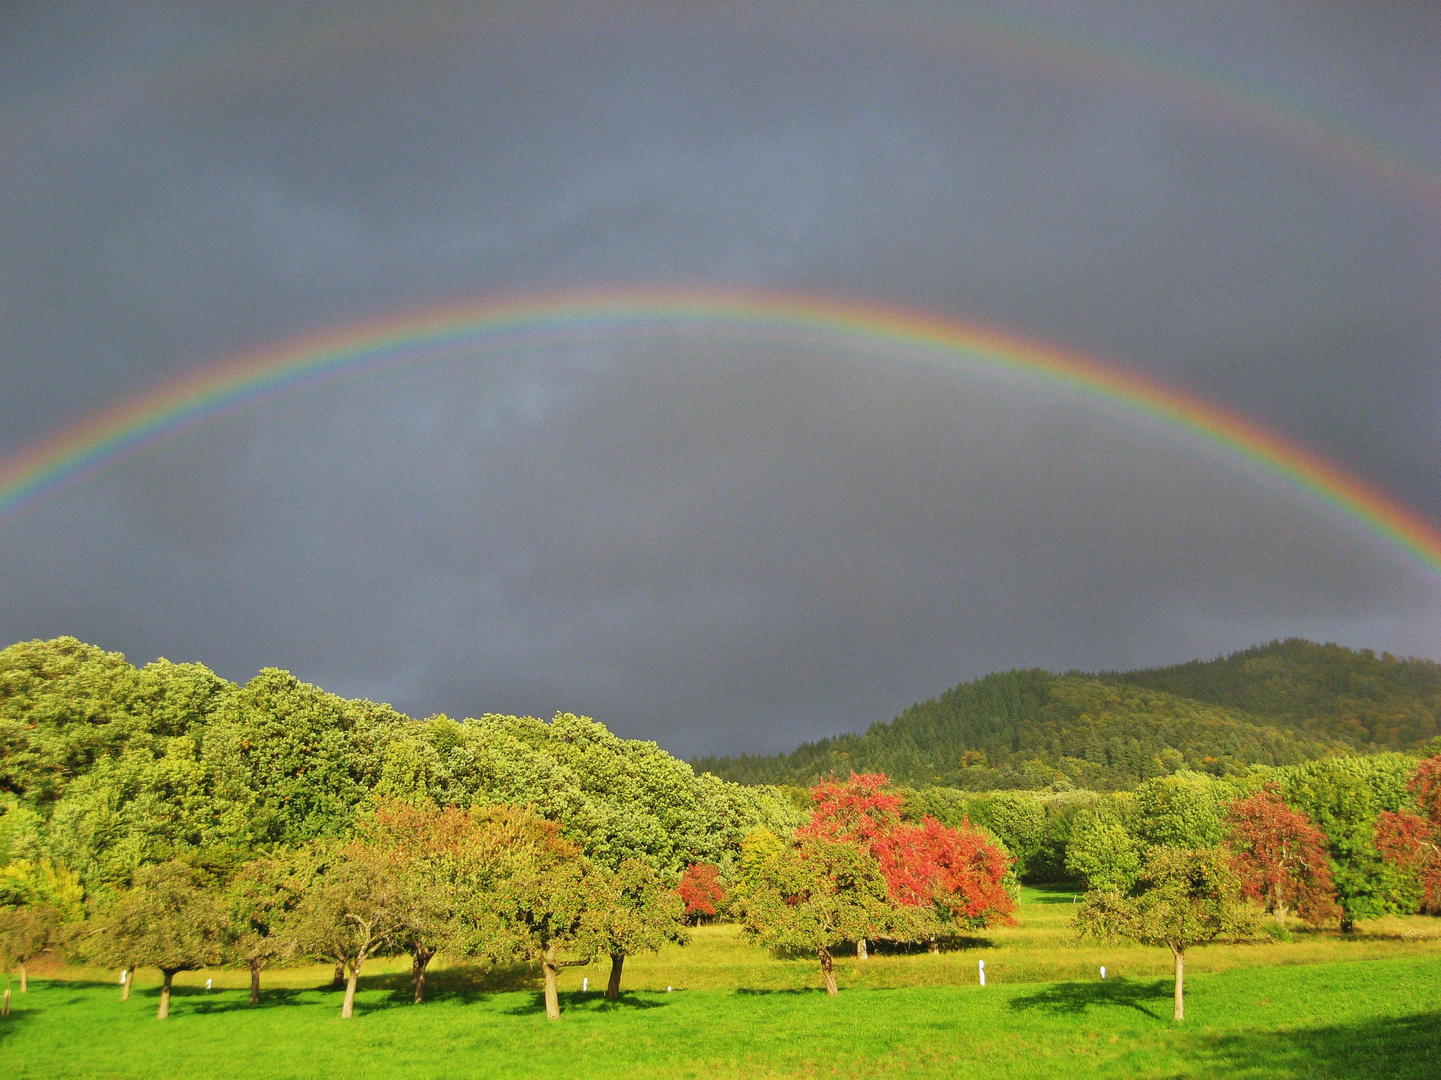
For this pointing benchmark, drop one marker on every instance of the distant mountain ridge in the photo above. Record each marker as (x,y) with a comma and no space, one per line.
(1276,704)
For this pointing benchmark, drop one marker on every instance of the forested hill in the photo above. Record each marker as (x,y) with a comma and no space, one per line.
(1277,704)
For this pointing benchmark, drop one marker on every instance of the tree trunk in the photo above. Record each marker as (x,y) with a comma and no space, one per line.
(129,980)
(1348,924)
(420,960)
(339,973)
(861,953)
(255,982)
(612,988)
(5,1007)
(347,1007)
(552,999)
(165,995)
(24,980)
(933,946)
(1281,916)
(828,971)
(1180,983)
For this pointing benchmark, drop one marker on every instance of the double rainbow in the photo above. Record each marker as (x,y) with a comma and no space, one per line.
(121,432)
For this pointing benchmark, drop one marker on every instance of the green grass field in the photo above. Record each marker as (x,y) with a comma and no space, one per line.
(1320,1006)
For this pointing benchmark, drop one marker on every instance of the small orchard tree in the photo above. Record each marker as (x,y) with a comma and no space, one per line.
(171,918)
(25,933)
(1183,897)
(938,875)
(351,911)
(1280,858)
(550,900)
(816,895)
(441,857)
(638,913)
(700,890)
(1412,841)
(259,899)
(38,903)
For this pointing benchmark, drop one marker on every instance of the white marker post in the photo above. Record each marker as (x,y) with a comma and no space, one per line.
(207,983)
(585,984)
(983,972)
(1103,971)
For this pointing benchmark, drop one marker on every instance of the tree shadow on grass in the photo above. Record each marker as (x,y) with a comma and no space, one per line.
(462,982)
(589,1000)
(1153,997)
(20,1014)
(1398,1048)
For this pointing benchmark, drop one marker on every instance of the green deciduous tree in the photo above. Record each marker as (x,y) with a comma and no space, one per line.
(549,900)
(817,894)
(39,902)
(636,912)
(1102,850)
(1183,897)
(259,898)
(171,918)
(352,910)
(1344,797)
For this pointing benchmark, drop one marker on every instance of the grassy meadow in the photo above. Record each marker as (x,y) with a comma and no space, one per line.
(1321,1005)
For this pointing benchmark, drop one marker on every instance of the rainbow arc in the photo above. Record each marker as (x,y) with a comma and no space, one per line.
(125,430)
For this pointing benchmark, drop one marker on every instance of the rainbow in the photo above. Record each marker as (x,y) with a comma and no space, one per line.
(127,429)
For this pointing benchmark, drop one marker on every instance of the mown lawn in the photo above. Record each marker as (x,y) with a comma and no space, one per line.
(1320,1006)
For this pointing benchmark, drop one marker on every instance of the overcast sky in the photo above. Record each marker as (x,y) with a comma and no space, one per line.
(721,541)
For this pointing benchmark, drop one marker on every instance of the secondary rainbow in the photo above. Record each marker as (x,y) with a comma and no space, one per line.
(127,429)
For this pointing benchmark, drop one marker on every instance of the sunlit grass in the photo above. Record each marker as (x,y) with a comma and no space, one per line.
(1275,1009)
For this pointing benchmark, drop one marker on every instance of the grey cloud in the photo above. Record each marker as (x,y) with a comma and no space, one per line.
(698,539)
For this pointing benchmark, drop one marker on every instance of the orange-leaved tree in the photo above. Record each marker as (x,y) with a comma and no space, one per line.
(939,874)
(701,889)
(1412,841)
(1280,858)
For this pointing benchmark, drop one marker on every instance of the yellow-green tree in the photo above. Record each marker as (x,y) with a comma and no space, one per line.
(815,895)
(636,912)
(1183,897)
(171,918)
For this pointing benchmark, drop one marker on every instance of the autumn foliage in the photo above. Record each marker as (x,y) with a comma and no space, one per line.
(701,889)
(1413,841)
(1280,857)
(959,871)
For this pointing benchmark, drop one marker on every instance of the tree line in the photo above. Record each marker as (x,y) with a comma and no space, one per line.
(500,884)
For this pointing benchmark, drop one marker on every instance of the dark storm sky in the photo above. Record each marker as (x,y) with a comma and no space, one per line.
(718,541)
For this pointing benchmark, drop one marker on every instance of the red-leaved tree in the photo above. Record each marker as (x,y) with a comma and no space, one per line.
(1280,857)
(959,871)
(701,890)
(1413,841)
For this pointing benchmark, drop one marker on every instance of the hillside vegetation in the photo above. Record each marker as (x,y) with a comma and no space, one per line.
(105,767)
(1277,704)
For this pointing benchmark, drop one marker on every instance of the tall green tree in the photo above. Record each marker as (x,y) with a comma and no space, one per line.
(1344,797)
(1183,897)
